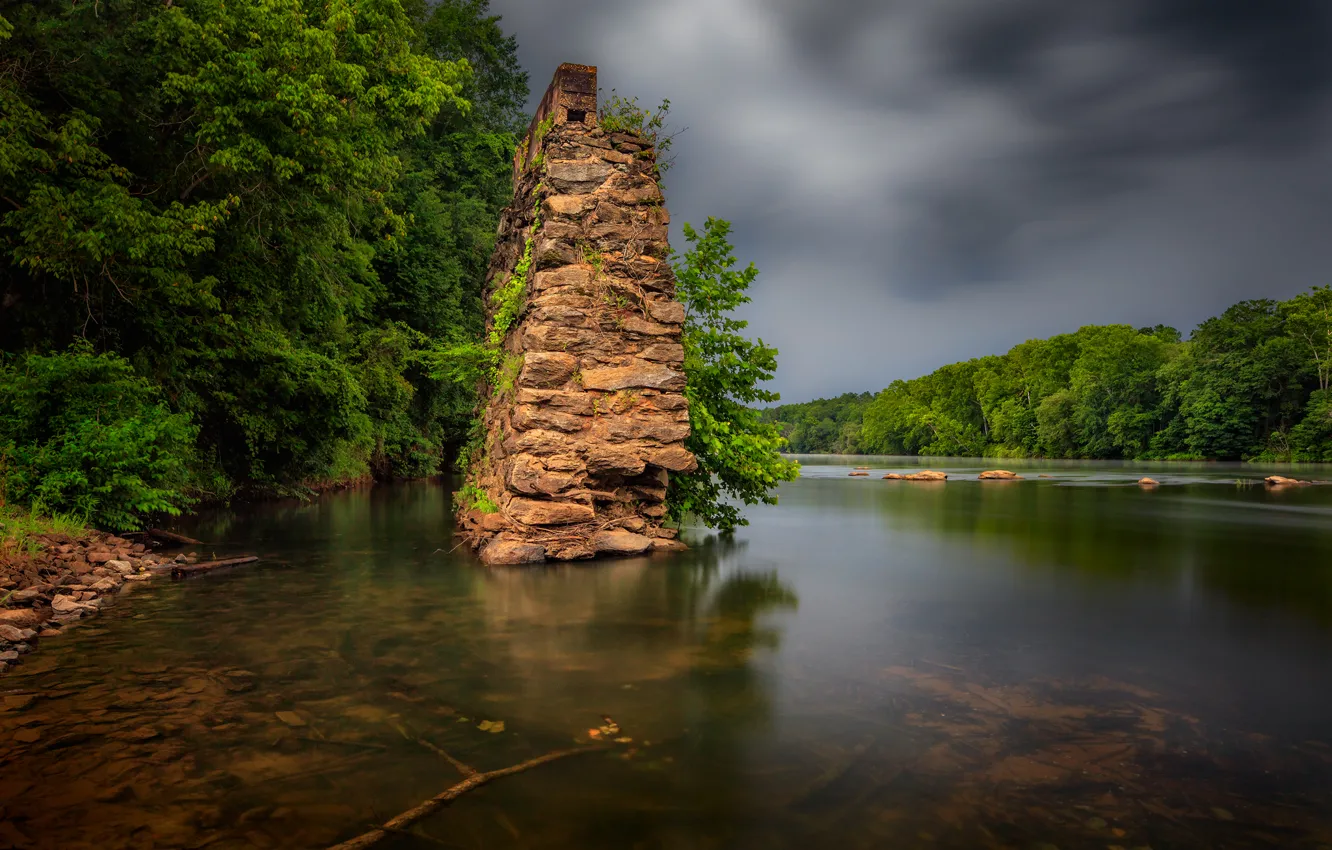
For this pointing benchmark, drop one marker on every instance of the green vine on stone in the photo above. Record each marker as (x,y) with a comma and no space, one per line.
(472,497)
(502,371)
(624,115)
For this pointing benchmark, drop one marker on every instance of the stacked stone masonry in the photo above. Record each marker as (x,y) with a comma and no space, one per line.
(587,417)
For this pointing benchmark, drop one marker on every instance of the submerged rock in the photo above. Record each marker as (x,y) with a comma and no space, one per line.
(927,475)
(1148,482)
(621,542)
(68,604)
(1283,481)
(506,552)
(21,617)
(13,634)
(662,544)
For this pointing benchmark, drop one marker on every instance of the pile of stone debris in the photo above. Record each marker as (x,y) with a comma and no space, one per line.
(65,579)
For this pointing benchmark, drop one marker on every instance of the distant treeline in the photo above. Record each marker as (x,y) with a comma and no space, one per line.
(823,425)
(1249,384)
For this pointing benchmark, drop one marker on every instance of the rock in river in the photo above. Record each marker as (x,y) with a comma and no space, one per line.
(67,605)
(501,552)
(21,617)
(927,475)
(1283,481)
(14,634)
(621,542)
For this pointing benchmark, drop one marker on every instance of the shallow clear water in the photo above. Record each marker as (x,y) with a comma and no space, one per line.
(1069,662)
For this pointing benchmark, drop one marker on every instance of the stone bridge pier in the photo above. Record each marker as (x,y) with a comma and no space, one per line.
(585,416)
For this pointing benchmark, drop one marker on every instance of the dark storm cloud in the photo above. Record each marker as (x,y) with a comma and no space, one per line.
(926,181)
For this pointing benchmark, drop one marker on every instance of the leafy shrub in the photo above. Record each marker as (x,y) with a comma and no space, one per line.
(81,434)
(623,115)
(738,452)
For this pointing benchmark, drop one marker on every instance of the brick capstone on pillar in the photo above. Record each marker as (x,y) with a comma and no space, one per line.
(587,418)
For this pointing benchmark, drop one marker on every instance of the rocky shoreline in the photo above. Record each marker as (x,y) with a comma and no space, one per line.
(66,580)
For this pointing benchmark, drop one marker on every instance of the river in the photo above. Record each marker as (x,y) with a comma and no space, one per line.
(1062,662)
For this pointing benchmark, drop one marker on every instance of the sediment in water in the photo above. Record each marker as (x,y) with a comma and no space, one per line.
(64,580)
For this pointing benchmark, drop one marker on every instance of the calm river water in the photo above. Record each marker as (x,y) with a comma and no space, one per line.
(1063,662)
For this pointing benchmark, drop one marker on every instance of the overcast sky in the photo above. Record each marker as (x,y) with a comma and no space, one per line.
(925,181)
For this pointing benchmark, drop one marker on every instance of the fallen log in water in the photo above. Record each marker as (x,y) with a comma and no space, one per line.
(474,779)
(173,537)
(187,570)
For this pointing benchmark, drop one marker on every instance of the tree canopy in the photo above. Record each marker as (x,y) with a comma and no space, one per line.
(1251,383)
(271,220)
(737,451)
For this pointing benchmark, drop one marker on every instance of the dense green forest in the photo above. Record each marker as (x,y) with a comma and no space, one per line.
(238,241)
(1249,384)
(825,425)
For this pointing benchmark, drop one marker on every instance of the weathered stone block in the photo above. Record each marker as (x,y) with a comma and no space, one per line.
(632,189)
(651,494)
(659,429)
(621,542)
(571,205)
(512,552)
(663,352)
(527,417)
(577,176)
(526,474)
(563,230)
(670,401)
(671,312)
(540,512)
(570,275)
(542,442)
(636,325)
(570,402)
(628,232)
(559,315)
(546,369)
(565,463)
(617,157)
(626,139)
(641,374)
(608,211)
(537,337)
(622,460)
(564,298)
(549,253)
(673,458)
